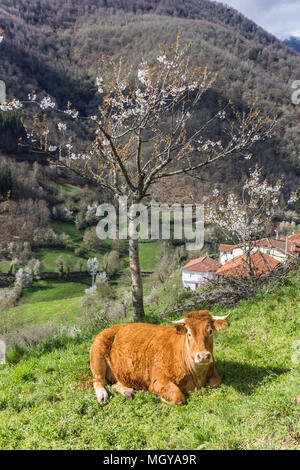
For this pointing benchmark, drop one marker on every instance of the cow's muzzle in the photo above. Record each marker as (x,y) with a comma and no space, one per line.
(203,357)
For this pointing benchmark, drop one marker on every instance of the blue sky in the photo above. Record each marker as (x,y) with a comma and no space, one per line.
(279,17)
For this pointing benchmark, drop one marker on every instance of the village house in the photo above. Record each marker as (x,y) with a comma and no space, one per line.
(265,256)
(228,252)
(261,263)
(279,249)
(198,271)
(295,238)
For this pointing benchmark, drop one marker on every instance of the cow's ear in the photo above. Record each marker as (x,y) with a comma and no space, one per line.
(180,329)
(220,324)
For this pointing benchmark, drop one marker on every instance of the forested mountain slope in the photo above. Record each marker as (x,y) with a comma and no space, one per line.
(55,46)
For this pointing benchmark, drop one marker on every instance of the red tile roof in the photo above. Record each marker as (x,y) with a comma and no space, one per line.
(279,245)
(202,265)
(295,238)
(261,263)
(226,248)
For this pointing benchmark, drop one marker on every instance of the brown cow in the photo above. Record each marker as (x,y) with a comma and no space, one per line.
(167,360)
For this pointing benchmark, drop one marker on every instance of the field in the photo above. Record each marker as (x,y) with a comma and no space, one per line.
(46,401)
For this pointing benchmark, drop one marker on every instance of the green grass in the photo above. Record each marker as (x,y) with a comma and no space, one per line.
(42,311)
(4,266)
(148,255)
(69,229)
(45,403)
(46,291)
(49,256)
(64,188)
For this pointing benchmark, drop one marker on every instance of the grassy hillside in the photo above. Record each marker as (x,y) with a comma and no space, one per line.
(46,401)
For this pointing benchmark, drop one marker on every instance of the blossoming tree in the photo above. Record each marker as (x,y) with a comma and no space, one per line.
(142,132)
(246,217)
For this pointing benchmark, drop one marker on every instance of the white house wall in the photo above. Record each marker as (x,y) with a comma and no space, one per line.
(278,255)
(193,279)
(226,256)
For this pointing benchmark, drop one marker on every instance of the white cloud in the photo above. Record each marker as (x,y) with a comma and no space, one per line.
(279,17)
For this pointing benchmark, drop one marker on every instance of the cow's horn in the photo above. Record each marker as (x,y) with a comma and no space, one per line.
(221,318)
(178,322)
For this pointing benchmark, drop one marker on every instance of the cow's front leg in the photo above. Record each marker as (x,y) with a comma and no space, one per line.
(125,391)
(98,367)
(168,391)
(214,380)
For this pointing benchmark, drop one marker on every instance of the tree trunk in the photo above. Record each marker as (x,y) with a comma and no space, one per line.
(136,279)
(248,259)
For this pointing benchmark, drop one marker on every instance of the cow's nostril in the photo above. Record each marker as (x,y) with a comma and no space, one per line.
(202,357)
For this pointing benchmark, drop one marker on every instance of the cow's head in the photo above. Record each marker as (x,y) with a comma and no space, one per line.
(199,327)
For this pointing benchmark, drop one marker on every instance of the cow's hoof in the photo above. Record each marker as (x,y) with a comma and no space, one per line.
(129,394)
(173,402)
(101,394)
(214,381)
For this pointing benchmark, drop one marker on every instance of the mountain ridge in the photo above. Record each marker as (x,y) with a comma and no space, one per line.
(293,42)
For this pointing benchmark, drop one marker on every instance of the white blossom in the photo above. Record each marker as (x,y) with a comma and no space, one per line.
(61,126)
(32,96)
(47,103)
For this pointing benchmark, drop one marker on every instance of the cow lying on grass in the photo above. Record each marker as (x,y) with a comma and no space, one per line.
(169,361)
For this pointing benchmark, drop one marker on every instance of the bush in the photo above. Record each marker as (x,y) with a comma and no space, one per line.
(47,238)
(91,241)
(106,291)
(165,266)
(80,250)
(62,213)
(9,301)
(24,278)
(111,262)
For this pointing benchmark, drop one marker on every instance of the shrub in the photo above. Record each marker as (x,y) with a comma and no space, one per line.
(9,301)
(106,291)
(62,213)
(47,238)
(91,241)
(111,262)
(101,278)
(24,278)
(80,250)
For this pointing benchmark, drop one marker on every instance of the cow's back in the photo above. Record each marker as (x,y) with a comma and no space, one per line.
(139,351)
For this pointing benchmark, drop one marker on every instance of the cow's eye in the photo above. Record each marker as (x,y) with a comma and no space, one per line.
(189,334)
(210,331)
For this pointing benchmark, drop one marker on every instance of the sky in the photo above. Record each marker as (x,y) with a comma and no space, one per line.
(279,17)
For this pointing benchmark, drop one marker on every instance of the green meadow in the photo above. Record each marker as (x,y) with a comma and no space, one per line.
(46,401)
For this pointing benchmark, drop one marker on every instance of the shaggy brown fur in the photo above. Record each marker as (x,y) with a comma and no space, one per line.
(170,361)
